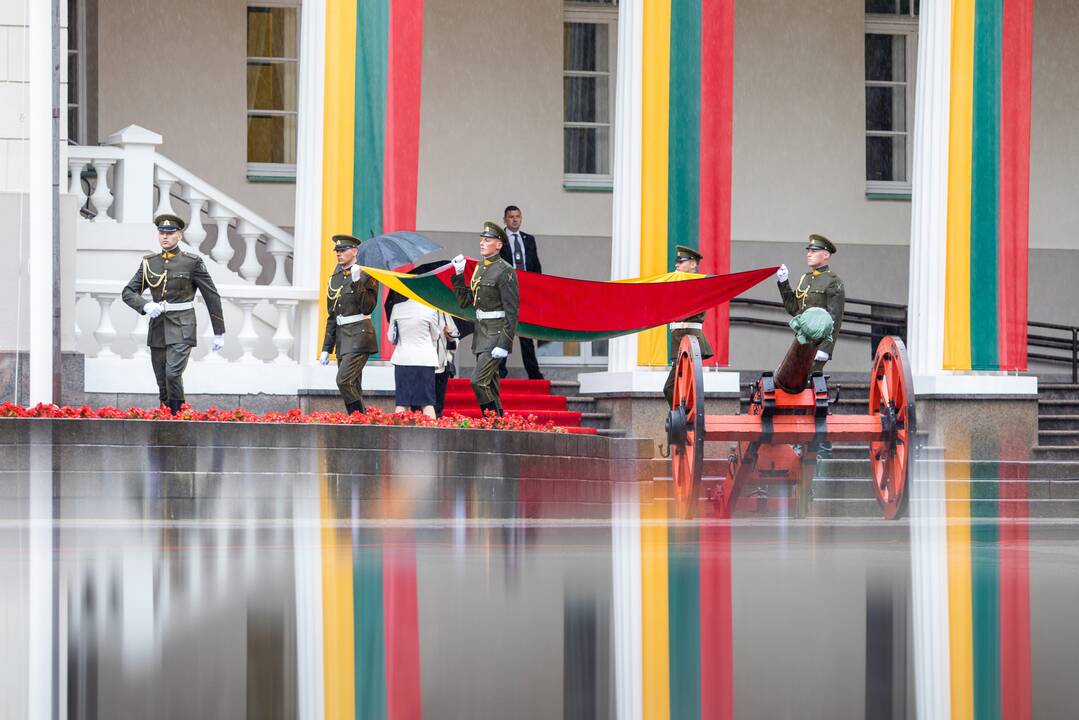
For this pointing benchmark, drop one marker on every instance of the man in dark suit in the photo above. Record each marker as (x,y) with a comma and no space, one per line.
(520,252)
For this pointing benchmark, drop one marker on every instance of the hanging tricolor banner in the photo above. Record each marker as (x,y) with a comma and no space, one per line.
(972,579)
(370,618)
(371,120)
(985,313)
(687,647)
(686,125)
(550,306)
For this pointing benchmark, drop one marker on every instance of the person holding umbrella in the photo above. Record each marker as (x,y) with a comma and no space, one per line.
(493,292)
(351,296)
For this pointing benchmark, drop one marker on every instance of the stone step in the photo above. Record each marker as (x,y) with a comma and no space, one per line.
(1058,391)
(1054,406)
(611,432)
(1067,453)
(1058,437)
(1058,422)
(598,420)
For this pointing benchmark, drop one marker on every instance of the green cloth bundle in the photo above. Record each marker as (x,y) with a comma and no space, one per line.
(813,325)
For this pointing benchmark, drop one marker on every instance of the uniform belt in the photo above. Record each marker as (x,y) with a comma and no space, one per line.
(490,314)
(349,319)
(177,306)
(686,326)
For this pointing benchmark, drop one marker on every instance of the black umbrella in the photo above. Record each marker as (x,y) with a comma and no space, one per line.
(394,249)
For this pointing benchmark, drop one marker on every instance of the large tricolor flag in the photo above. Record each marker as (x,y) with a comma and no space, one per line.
(371,119)
(985,311)
(686,125)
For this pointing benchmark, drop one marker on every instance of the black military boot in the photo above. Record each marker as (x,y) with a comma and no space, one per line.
(484,407)
(498,409)
(355,407)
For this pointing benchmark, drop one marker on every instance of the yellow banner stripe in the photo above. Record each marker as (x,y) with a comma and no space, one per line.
(338,131)
(337,641)
(655,127)
(960,608)
(655,619)
(957,276)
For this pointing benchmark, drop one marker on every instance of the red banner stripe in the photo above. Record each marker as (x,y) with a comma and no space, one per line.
(405,65)
(401,612)
(717,644)
(717,123)
(1014,184)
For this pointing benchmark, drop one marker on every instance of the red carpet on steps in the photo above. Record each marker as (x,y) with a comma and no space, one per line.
(519,397)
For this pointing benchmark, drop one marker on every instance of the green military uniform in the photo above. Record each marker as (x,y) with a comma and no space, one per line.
(818,288)
(348,326)
(172,278)
(494,293)
(692,325)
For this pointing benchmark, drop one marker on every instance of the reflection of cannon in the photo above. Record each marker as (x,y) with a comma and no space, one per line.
(777,440)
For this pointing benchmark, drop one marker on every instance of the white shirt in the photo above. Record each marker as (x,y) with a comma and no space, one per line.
(514,237)
(417,334)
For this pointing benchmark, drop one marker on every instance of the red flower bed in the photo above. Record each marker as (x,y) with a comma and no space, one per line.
(373,416)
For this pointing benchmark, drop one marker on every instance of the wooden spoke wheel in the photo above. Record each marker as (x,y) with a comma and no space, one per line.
(891,397)
(685,426)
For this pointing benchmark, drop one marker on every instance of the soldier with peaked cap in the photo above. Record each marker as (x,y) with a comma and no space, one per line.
(819,287)
(351,296)
(686,260)
(494,293)
(172,276)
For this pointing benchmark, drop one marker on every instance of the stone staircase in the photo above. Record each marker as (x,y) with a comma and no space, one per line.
(591,415)
(1058,423)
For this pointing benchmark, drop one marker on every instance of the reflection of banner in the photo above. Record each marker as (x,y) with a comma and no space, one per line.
(981,557)
(985,310)
(371,120)
(370,620)
(551,306)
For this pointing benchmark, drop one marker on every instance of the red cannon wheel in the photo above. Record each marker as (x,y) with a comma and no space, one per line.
(891,397)
(685,426)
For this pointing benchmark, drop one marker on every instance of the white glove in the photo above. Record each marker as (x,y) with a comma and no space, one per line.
(153,309)
(782,273)
(459,264)
(498,353)
(822,356)
(356,271)
(218,343)
(324,358)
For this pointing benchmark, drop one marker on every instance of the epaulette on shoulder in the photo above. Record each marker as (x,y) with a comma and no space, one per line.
(192,255)
(147,257)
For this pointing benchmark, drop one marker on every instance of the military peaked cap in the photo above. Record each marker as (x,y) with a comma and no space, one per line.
(493,230)
(345,242)
(819,242)
(684,252)
(169,223)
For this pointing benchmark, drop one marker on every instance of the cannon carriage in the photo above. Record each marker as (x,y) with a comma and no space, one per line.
(788,420)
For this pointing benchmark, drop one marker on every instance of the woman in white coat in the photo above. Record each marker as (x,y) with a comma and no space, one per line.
(415,330)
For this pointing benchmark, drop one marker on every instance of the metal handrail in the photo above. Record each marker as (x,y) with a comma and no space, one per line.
(899,325)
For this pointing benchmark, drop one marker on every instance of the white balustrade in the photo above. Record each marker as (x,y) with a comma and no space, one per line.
(105,333)
(251,268)
(248,337)
(138,336)
(194,233)
(164,181)
(102,197)
(280,252)
(283,339)
(208,341)
(75,167)
(222,250)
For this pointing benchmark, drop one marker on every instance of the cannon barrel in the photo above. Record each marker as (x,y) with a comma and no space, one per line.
(794,369)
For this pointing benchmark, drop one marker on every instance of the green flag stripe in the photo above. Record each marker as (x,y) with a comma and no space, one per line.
(985,186)
(684,621)
(985,578)
(368,627)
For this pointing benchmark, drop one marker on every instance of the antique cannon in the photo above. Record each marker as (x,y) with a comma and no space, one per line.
(789,418)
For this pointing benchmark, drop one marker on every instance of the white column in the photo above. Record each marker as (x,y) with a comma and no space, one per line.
(626,218)
(40,300)
(307,248)
(929,199)
(134,180)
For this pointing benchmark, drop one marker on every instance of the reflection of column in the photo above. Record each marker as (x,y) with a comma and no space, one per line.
(626,562)
(307,566)
(40,628)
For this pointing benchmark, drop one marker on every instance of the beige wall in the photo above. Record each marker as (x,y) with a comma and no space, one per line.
(179,70)
(490,122)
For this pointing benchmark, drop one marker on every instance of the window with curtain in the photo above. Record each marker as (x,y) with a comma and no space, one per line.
(589,34)
(273,39)
(891,56)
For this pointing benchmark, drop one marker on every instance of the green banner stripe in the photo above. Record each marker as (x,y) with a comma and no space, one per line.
(684,621)
(985,186)
(684,134)
(372,61)
(985,578)
(368,626)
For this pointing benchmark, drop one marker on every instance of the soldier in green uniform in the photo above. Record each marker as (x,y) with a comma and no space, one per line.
(172,276)
(493,291)
(819,287)
(686,260)
(351,295)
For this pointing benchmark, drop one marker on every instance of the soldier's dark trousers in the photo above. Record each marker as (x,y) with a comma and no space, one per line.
(350,377)
(668,387)
(169,364)
(485,379)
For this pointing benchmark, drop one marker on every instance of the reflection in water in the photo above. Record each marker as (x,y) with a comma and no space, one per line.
(284,584)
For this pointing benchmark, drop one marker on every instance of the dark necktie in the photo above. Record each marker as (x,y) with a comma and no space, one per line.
(518,254)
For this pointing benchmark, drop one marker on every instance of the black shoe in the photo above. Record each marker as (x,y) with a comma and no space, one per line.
(502,373)
(484,407)
(355,407)
(498,409)
(537,376)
